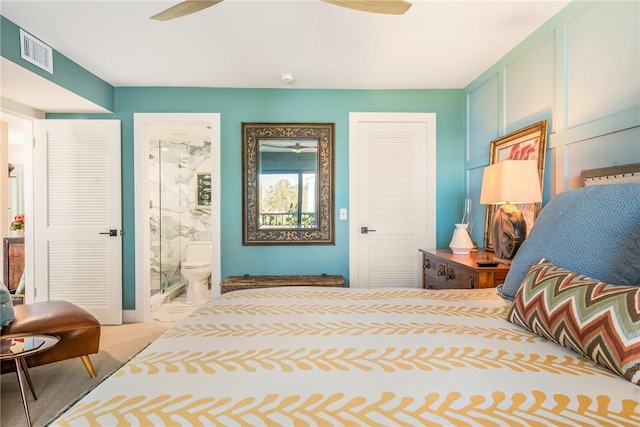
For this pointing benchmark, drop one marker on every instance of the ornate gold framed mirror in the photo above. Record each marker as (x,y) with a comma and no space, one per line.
(287,183)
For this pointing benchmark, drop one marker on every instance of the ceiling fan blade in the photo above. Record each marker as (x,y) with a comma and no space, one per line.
(184,8)
(388,7)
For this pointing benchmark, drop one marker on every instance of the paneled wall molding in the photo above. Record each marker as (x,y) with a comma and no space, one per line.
(557,21)
(603,126)
(477,162)
(580,72)
(566,174)
(560,57)
(531,76)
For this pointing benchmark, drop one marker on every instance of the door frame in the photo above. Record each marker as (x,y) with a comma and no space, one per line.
(354,198)
(142,311)
(28,116)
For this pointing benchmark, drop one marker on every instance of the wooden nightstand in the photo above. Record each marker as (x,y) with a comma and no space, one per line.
(13,261)
(444,270)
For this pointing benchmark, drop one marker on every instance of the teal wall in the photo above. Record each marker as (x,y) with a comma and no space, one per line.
(493,110)
(581,72)
(288,105)
(66,73)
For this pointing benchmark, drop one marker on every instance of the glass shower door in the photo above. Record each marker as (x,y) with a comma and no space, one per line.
(165,201)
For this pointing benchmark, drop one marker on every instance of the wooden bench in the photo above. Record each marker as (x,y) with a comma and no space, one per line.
(234,283)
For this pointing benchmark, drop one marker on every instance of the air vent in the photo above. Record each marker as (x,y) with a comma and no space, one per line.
(36,52)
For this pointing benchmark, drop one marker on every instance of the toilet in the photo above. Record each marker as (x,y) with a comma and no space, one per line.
(196,269)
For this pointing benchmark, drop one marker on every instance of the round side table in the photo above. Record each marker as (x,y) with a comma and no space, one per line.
(16,348)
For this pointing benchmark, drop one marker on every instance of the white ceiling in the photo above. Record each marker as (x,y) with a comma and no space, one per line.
(250,44)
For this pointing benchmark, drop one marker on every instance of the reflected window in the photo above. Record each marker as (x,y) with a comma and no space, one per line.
(287,200)
(287,184)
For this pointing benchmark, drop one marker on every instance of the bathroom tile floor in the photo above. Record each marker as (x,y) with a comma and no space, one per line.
(174,310)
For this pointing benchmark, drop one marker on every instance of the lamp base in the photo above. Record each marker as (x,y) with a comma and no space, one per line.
(509,229)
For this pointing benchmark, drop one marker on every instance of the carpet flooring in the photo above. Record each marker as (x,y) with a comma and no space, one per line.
(59,384)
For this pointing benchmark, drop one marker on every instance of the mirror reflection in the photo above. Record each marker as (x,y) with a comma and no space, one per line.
(287,183)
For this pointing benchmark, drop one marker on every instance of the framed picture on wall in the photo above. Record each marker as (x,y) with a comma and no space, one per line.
(203,190)
(528,143)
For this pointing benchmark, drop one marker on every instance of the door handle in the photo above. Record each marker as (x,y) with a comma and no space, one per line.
(112,233)
(365,230)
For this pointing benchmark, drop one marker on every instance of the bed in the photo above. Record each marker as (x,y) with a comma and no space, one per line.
(366,357)
(310,356)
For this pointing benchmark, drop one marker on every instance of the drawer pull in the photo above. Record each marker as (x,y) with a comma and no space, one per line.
(472,283)
(426,264)
(449,275)
(441,270)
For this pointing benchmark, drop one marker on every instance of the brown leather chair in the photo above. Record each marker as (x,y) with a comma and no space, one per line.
(78,330)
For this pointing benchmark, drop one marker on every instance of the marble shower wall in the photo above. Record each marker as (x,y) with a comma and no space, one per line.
(173,217)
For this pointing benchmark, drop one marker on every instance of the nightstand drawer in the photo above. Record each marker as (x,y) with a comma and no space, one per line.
(465,278)
(444,270)
(441,283)
(446,275)
(434,267)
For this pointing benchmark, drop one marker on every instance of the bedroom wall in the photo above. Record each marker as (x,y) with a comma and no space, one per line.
(264,105)
(580,71)
(67,73)
(279,105)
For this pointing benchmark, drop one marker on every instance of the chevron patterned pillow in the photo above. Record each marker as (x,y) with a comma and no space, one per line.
(597,320)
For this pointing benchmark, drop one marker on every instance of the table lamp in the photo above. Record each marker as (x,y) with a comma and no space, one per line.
(503,184)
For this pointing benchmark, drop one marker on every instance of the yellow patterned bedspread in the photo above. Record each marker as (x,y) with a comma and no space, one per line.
(356,357)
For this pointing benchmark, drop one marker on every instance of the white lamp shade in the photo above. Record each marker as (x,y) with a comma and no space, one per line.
(513,181)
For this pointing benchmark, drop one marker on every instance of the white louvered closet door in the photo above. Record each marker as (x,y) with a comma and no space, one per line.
(77,224)
(393,203)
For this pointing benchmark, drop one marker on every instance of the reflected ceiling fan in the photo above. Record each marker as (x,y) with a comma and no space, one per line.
(296,148)
(388,7)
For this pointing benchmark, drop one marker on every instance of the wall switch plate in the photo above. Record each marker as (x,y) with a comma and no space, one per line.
(343,214)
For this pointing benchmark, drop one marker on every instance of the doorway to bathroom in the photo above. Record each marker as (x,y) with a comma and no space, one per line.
(177,203)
